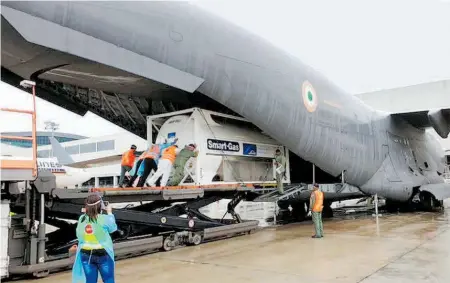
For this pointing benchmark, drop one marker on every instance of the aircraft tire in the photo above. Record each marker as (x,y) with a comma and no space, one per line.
(429,203)
(392,206)
(327,211)
(299,211)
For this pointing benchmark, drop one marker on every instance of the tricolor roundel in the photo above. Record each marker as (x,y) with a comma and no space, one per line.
(309,96)
(88,229)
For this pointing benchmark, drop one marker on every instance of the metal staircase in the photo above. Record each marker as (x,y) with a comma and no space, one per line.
(303,191)
(293,191)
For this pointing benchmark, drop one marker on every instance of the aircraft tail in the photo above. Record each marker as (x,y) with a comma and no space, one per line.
(60,153)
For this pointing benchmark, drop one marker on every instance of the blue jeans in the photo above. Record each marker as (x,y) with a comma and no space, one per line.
(103,264)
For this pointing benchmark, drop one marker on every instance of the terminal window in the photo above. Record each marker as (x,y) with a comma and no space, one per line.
(19,143)
(89,147)
(40,140)
(105,145)
(74,149)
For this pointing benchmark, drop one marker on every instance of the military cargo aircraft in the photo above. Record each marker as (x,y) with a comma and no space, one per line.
(138,48)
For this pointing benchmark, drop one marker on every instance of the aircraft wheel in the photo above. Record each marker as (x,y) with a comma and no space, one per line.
(441,204)
(391,206)
(327,211)
(427,201)
(283,204)
(299,211)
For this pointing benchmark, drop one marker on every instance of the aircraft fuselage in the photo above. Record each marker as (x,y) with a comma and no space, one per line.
(285,98)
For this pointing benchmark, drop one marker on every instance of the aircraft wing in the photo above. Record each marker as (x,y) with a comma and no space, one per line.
(439,119)
(48,34)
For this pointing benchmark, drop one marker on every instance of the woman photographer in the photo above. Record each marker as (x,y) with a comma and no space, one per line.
(95,248)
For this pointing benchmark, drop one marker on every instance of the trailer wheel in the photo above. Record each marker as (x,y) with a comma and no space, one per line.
(41,274)
(197,239)
(167,244)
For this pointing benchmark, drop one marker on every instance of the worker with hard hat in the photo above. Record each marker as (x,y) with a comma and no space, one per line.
(137,165)
(315,210)
(127,163)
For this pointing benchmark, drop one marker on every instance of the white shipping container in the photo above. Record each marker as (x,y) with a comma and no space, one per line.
(231,150)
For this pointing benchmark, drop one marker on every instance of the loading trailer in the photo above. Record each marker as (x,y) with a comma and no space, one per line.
(169,218)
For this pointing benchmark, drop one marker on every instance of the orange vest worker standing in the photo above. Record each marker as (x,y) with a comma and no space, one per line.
(316,207)
(127,163)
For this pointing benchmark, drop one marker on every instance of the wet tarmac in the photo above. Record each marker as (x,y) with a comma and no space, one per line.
(413,247)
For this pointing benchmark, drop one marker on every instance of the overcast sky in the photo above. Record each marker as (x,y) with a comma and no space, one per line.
(360,45)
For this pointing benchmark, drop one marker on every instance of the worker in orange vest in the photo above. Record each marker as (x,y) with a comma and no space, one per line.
(165,165)
(136,167)
(315,209)
(127,163)
(150,163)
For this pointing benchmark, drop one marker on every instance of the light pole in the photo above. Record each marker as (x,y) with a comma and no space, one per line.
(50,125)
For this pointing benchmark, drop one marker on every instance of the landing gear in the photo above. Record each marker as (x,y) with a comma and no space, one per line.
(393,206)
(327,212)
(299,211)
(292,211)
(428,202)
(422,201)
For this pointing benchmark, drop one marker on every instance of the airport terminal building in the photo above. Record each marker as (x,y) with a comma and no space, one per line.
(100,156)
(42,138)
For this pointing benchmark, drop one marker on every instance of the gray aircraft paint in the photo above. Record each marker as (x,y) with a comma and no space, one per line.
(380,153)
